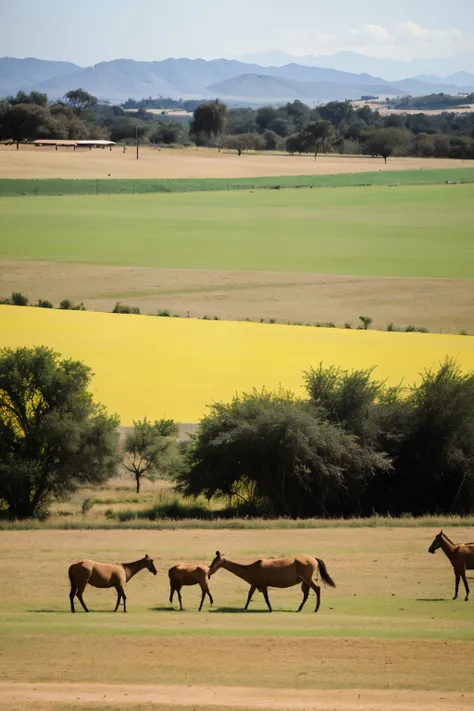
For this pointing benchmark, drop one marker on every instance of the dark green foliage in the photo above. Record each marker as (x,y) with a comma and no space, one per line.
(53,437)
(148,449)
(277,454)
(434,460)
(120,308)
(354,447)
(18,299)
(44,304)
(385,141)
(209,120)
(68,305)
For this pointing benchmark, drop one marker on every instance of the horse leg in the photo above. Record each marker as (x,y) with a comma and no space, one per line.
(171,594)
(305,589)
(317,590)
(79,595)
(456,584)
(203,590)
(119,597)
(71,597)
(464,579)
(124,598)
(210,596)
(250,595)
(178,590)
(265,595)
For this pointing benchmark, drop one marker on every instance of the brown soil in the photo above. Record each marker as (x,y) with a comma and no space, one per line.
(31,162)
(233,697)
(438,304)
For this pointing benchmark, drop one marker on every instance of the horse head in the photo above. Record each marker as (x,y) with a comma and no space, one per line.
(216,564)
(149,564)
(437,543)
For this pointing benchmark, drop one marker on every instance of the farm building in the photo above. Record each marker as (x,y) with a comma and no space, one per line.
(64,143)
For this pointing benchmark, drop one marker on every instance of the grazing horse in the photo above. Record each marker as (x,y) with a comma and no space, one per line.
(279,573)
(182,574)
(460,555)
(105,575)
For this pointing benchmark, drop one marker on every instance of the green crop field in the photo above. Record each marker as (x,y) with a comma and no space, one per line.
(10,187)
(423,231)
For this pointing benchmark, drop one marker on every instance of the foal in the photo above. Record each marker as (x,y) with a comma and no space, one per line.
(182,574)
(105,575)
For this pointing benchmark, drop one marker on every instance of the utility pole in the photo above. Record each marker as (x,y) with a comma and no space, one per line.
(136,137)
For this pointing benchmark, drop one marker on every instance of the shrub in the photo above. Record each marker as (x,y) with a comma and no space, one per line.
(18,299)
(120,308)
(44,304)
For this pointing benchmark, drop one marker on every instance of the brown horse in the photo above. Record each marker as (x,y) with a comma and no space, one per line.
(279,573)
(461,557)
(105,575)
(182,574)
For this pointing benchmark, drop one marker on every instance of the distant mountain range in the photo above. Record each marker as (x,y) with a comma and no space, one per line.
(389,69)
(230,80)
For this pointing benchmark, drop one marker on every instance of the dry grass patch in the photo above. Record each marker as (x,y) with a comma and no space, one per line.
(31,162)
(441,305)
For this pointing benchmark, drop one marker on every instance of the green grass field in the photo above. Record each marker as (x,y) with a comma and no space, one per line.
(390,622)
(31,186)
(423,231)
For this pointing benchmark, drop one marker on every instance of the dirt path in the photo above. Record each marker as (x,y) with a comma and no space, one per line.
(235,697)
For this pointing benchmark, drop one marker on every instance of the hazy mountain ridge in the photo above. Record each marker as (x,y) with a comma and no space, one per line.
(16,74)
(119,79)
(445,69)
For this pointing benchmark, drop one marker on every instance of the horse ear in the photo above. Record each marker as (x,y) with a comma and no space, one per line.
(147,556)
(218,555)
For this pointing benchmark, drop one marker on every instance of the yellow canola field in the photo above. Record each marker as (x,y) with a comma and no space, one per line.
(156,367)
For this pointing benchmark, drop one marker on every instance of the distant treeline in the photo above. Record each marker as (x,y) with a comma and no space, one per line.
(335,127)
(431,102)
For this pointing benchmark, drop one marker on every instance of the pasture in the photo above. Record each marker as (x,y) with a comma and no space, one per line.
(401,255)
(165,367)
(31,162)
(389,636)
(422,231)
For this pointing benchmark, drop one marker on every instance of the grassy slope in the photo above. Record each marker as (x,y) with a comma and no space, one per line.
(384,231)
(390,622)
(57,186)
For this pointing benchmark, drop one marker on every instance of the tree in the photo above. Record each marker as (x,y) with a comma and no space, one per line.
(434,457)
(245,142)
(23,121)
(53,437)
(80,99)
(209,119)
(147,449)
(384,141)
(274,452)
(320,134)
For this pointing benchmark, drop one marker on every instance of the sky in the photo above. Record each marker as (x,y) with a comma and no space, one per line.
(91,31)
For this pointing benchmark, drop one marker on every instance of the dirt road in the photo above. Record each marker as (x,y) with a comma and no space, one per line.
(233,697)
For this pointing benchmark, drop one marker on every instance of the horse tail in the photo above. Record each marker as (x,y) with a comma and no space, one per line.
(325,577)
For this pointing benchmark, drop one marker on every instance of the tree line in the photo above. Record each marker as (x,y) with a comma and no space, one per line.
(353,446)
(338,126)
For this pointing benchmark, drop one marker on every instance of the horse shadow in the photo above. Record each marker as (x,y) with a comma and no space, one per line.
(433,599)
(240,611)
(45,611)
(165,609)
